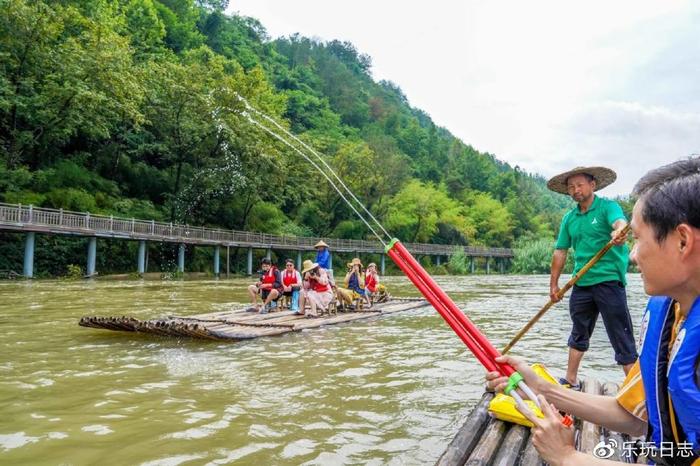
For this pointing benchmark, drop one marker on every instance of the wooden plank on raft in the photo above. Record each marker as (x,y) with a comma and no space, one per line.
(491,439)
(619,453)
(351,316)
(247,333)
(510,449)
(530,457)
(511,445)
(220,315)
(238,324)
(242,316)
(468,435)
(590,433)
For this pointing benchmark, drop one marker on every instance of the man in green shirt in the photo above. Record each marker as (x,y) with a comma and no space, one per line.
(587,228)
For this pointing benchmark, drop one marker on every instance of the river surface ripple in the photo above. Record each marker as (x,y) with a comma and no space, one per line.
(391,390)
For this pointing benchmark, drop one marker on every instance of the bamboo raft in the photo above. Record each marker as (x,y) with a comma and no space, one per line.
(484,441)
(239,325)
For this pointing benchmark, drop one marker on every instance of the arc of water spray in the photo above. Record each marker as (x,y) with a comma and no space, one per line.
(330,170)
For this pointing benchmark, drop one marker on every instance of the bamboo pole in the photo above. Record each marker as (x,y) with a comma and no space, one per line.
(566,288)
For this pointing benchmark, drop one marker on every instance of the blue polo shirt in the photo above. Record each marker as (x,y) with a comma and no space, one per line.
(587,233)
(323,258)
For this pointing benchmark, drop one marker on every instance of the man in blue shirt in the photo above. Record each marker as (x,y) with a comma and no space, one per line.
(323,258)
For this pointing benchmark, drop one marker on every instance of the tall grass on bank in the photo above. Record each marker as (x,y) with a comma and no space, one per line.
(533,256)
(457,265)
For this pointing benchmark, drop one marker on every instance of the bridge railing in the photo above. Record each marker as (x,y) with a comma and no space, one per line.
(29,218)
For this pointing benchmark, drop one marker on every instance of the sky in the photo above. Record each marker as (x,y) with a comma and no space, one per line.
(543,85)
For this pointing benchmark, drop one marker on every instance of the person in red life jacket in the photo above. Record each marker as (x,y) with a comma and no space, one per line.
(291,282)
(661,394)
(269,287)
(377,290)
(371,277)
(317,289)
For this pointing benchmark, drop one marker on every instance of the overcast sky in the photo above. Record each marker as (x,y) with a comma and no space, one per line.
(545,85)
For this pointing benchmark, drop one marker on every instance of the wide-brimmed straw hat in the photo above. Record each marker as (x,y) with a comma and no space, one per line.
(603,177)
(354,261)
(308,265)
(320,244)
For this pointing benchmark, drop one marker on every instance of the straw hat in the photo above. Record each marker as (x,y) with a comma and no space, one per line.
(320,244)
(372,264)
(308,265)
(355,260)
(603,177)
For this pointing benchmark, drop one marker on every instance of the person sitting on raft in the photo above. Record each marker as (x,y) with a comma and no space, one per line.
(269,287)
(317,289)
(291,281)
(660,395)
(377,290)
(355,282)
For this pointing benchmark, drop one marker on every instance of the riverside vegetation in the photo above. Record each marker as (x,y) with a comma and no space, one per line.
(130,108)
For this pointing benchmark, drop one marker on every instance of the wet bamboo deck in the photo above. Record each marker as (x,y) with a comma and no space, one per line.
(485,441)
(239,325)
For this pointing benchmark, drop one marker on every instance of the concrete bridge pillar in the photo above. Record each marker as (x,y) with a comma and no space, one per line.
(228,255)
(502,265)
(330,261)
(383,263)
(92,256)
(268,254)
(249,268)
(488,265)
(28,270)
(437,260)
(299,261)
(181,258)
(217,252)
(471,264)
(142,257)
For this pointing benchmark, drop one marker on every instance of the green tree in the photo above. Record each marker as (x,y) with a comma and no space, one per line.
(417,210)
(69,76)
(491,220)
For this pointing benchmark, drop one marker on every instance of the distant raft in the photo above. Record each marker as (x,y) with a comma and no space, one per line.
(239,325)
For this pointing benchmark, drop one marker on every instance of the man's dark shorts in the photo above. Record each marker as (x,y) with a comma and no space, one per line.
(608,299)
(265,293)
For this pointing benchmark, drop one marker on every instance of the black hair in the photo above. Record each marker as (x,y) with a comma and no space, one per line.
(670,196)
(289,261)
(266,261)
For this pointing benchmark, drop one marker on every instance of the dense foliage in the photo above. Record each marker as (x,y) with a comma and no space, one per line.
(131,107)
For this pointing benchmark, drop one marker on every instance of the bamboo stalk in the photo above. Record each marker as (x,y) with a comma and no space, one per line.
(492,438)
(511,448)
(566,288)
(590,433)
(468,435)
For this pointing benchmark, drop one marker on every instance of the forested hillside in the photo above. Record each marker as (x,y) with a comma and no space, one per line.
(131,108)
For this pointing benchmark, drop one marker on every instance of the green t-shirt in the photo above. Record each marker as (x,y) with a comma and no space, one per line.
(587,233)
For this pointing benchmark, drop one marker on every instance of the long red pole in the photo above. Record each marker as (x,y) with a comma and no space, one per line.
(477,343)
(485,349)
(439,306)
